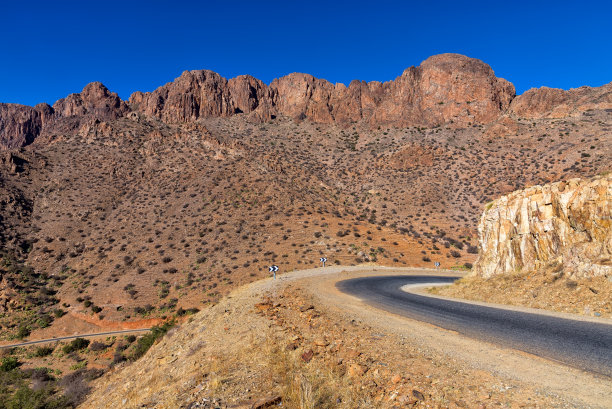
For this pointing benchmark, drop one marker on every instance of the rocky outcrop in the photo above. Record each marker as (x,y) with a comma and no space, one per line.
(202,94)
(557,103)
(95,101)
(563,226)
(446,88)
(19,125)
(449,89)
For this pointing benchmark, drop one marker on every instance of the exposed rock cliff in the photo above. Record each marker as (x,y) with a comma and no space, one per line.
(557,103)
(443,89)
(95,100)
(566,226)
(19,125)
(449,89)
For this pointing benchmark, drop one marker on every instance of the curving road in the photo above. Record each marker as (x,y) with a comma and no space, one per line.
(580,344)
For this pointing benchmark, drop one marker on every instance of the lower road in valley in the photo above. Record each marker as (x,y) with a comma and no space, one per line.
(100,334)
(581,344)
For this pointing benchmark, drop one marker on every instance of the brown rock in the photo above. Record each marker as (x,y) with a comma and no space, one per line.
(352,353)
(557,103)
(321,342)
(95,100)
(19,125)
(446,88)
(357,370)
(418,395)
(307,356)
(263,306)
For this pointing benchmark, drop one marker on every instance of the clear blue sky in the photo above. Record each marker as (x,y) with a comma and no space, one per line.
(52,48)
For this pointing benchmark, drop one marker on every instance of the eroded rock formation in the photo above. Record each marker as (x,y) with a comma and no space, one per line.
(446,88)
(449,89)
(563,226)
(557,103)
(19,125)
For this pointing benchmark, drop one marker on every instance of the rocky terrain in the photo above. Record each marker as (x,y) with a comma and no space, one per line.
(547,246)
(122,214)
(169,200)
(276,343)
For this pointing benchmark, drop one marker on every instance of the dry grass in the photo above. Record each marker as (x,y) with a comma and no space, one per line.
(550,290)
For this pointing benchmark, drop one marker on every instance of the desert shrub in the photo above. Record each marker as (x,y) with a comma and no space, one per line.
(455,253)
(44,321)
(26,398)
(472,249)
(468,265)
(8,363)
(58,313)
(118,357)
(147,341)
(426,259)
(75,345)
(97,346)
(43,351)
(23,331)
(76,386)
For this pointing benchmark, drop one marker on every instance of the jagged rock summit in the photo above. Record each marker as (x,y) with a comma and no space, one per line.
(446,89)
(563,227)
(443,89)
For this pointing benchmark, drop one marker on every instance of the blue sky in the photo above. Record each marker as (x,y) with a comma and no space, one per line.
(53,48)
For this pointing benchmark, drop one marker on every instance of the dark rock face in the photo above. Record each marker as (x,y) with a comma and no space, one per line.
(201,94)
(19,125)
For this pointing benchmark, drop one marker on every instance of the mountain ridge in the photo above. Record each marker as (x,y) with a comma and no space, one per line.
(445,89)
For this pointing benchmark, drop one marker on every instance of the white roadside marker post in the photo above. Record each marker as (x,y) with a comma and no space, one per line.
(323,260)
(273,269)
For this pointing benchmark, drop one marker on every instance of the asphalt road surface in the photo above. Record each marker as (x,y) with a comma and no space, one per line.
(580,344)
(101,334)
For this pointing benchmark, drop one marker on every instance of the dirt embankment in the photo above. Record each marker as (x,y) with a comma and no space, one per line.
(299,341)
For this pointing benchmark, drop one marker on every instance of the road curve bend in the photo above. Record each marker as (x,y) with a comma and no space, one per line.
(581,344)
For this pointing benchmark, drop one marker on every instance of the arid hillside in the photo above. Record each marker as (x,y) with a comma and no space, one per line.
(135,209)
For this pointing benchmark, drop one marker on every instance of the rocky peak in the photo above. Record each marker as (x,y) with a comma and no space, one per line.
(95,100)
(448,88)
(563,227)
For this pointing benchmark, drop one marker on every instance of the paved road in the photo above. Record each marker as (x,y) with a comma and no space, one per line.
(580,344)
(100,334)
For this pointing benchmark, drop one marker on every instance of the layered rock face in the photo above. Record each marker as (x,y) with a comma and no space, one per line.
(566,226)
